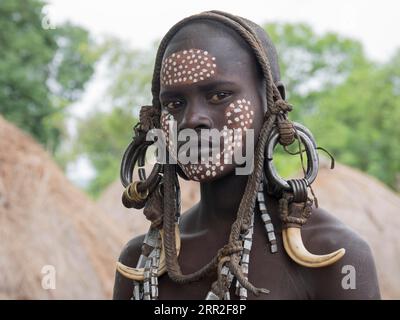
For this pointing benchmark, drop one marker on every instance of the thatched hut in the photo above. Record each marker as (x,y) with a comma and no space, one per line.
(46,221)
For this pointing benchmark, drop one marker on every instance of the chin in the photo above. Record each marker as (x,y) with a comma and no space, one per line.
(206,172)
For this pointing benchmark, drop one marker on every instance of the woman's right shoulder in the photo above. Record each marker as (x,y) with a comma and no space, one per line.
(131,251)
(129,256)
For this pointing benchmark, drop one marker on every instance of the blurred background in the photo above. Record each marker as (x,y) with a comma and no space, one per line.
(73,75)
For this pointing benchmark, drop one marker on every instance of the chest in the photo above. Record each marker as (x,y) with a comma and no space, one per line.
(275,272)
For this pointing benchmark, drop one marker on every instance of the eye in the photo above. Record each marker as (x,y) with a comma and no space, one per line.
(219,96)
(172,105)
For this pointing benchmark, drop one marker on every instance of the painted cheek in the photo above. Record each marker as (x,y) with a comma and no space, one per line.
(166,121)
(239,115)
(192,171)
(239,118)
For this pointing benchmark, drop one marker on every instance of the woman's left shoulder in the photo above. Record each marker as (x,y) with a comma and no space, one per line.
(324,231)
(354,275)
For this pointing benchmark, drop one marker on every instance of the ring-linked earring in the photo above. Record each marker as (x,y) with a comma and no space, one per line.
(295,206)
(137,192)
(146,193)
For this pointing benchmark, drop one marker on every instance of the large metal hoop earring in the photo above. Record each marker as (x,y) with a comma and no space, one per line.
(275,182)
(136,192)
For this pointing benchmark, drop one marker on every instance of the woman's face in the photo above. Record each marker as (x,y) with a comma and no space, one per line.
(210,85)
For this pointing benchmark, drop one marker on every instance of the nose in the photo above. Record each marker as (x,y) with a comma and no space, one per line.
(195,117)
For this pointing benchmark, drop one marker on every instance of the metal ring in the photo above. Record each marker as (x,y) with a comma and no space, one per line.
(129,160)
(134,194)
(304,186)
(299,189)
(135,155)
(300,127)
(312,158)
(141,163)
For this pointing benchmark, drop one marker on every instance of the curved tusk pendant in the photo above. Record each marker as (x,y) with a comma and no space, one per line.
(138,273)
(294,247)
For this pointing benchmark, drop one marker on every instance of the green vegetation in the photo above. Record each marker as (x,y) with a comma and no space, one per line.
(351,105)
(42,71)
(104,135)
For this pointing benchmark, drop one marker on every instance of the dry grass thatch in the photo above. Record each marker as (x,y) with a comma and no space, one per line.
(45,220)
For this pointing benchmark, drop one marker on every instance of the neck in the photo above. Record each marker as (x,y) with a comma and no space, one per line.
(220,200)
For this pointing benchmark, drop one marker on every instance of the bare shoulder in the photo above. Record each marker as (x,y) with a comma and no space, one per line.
(352,277)
(129,256)
(131,251)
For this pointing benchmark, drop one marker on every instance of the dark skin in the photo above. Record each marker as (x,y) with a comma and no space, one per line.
(205,228)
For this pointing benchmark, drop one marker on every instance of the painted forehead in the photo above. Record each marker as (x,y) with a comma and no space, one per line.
(188,66)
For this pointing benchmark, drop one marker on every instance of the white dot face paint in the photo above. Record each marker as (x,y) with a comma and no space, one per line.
(187,66)
(190,66)
(239,115)
(166,121)
(238,119)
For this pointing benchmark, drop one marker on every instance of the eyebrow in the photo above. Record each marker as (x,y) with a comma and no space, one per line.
(174,91)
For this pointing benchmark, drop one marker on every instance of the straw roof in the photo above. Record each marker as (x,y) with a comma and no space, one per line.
(45,220)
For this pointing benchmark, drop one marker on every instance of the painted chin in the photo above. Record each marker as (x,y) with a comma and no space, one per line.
(204,172)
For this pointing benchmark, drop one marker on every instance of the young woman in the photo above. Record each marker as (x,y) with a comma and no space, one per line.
(244,239)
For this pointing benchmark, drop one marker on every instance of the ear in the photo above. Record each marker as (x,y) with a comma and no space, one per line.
(281,88)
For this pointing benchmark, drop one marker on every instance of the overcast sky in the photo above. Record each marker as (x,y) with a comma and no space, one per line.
(376,23)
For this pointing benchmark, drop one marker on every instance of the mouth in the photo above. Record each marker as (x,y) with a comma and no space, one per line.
(194,144)
(196,151)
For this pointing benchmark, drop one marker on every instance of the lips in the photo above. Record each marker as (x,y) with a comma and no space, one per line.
(203,147)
